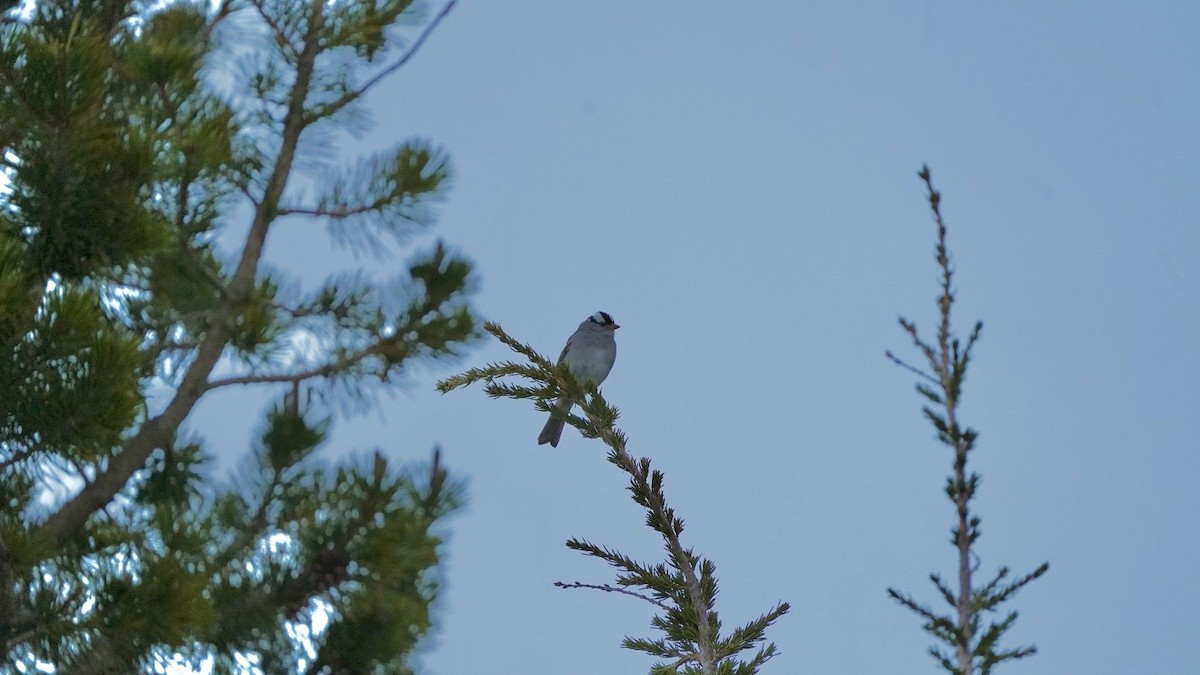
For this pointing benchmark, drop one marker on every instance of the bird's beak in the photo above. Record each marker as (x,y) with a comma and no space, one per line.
(615,326)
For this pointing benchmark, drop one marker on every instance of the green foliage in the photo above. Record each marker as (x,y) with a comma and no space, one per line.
(973,649)
(119,547)
(684,587)
(71,380)
(59,72)
(289,437)
(361,26)
(391,190)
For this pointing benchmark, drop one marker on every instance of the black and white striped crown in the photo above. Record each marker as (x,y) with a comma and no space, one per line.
(602,318)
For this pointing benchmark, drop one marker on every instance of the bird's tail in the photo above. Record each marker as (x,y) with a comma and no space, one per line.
(552,432)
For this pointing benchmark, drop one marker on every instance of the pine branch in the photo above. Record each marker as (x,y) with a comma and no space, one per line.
(662,519)
(910,368)
(252,528)
(747,636)
(948,358)
(685,585)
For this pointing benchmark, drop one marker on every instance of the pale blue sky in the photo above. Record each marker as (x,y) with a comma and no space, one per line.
(736,184)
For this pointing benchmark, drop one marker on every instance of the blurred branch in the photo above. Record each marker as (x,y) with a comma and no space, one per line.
(910,368)
(281,37)
(326,370)
(416,45)
(346,99)
(319,212)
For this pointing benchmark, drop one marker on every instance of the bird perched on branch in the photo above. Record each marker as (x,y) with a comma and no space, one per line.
(590,353)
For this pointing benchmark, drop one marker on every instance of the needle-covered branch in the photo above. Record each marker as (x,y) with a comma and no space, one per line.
(352,333)
(685,584)
(392,191)
(972,650)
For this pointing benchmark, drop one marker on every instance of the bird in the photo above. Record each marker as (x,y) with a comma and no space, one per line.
(590,353)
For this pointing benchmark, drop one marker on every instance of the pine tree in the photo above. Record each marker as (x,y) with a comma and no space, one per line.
(130,147)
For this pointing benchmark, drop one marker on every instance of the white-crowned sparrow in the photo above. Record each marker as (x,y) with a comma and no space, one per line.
(590,353)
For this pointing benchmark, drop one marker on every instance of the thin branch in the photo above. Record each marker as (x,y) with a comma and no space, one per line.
(338,214)
(336,105)
(247,535)
(294,312)
(614,589)
(684,660)
(245,190)
(295,378)
(411,50)
(281,36)
(910,368)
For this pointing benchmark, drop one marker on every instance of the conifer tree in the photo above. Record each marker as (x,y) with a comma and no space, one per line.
(134,138)
(972,648)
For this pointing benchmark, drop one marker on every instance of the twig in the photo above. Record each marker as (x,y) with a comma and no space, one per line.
(336,214)
(910,368)
(344,100)
(295,378)
(281,36)
(613,589)
(411,50)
